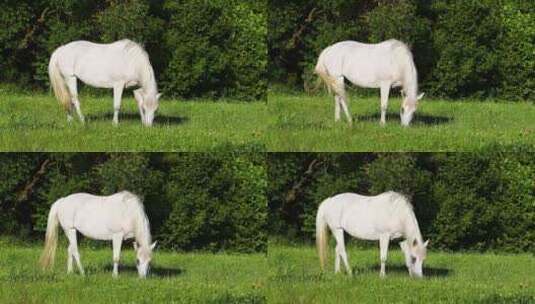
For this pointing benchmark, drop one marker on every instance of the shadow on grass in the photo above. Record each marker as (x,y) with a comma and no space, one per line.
(158,119)
(154,270)
(402,269)
(417,119)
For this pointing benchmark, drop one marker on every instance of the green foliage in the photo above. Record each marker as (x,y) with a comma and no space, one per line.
(466,36)
(462,201)
(193,201)
(224,57)
(517,68)
(218,202)
(461,48)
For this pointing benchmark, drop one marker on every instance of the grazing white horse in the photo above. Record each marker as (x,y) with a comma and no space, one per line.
(115,217)
(116,65)
(382,65)
(383,217)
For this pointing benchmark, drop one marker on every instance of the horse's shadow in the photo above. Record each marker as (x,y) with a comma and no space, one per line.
(433,272)
(158,118)
(154,270)
(417,119)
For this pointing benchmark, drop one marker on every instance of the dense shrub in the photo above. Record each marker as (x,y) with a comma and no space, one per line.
(462,201)
(217,202)
(461,48)
(193,201)
(198,48)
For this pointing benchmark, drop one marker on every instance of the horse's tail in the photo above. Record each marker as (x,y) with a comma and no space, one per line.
(321,236)
(51,239)
(58,83)
(333,86)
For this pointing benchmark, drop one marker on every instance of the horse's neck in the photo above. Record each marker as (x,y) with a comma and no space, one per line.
(142,232)
(412,230)
(410,81)
(148,82)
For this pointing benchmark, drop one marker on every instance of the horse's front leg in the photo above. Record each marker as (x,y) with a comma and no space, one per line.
(337,108)
(117,95)
(383,248)
(117,241)
(385,91)
(139,100)
(408,259)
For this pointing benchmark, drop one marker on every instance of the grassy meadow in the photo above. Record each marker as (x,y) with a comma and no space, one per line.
(173,278)
(295,277)
(301,122)
(36,122)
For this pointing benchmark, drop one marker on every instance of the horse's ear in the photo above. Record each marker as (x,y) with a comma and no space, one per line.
(420,96)
(158,95)
(426,243)
(135,246)
(153,245)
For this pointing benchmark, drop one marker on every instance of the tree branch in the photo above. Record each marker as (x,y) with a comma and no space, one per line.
(28,188)
(291,195)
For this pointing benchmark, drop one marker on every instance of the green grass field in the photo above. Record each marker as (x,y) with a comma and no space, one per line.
(299,122)
(38,123)
(174,278)
(295,277)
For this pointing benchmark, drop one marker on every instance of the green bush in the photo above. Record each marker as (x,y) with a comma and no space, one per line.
(461,48)
(197,48)
(461,200)
(517,60)
(217,202)
(193,201)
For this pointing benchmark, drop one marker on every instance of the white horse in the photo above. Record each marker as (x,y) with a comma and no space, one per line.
(382,65)
(116,65)
(383,217)
(116,217)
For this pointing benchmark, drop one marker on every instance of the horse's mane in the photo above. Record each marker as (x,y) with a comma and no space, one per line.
(400,200)
(144,228)
(137,52)
(410,71)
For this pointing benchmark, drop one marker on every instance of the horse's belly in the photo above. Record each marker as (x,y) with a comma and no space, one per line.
(95,234)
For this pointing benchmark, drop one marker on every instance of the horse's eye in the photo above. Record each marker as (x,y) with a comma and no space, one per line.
(137,261)
(413,259)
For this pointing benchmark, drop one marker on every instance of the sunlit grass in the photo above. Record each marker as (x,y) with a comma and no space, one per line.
(38,123)
(295,277)
(300,122)
(174,278)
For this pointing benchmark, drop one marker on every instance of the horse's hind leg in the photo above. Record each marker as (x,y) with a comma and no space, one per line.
(117,95)
(383,248)
(73,248)
(73,90)
(342,98)
(385,91)
(117,242)
(341,249)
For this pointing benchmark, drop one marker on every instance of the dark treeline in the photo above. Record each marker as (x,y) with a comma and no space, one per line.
(197,47)
(461,48)
(194,201)
(483,201)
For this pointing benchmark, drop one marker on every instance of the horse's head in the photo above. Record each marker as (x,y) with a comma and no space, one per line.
(143,258)
(408,107)
(148,104)
(416,253)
